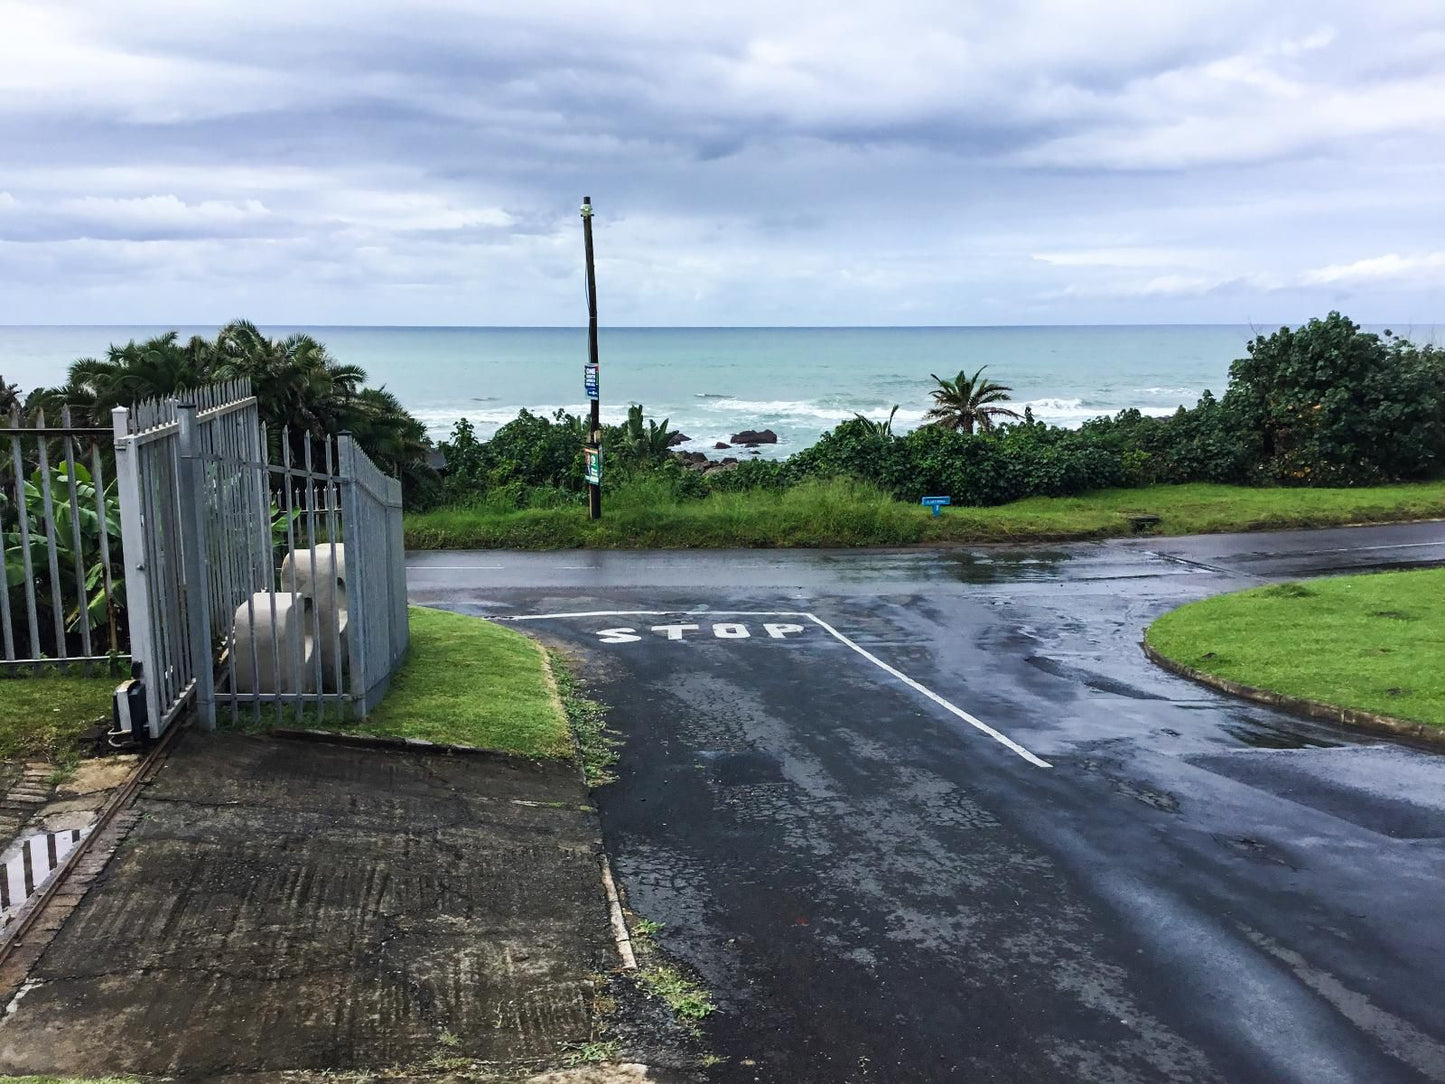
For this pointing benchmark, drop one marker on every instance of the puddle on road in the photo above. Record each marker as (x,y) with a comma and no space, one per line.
(971,568)
(1261,735)
(976,568)
(27,865)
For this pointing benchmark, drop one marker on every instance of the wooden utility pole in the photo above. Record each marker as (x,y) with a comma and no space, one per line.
(592,379)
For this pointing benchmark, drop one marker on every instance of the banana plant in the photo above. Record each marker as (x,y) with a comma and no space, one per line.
(96,609)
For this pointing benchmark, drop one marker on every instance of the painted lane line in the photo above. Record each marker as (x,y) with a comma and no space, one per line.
(653,613)
(953,709)
(979,724)
(1362,549)
(451,568)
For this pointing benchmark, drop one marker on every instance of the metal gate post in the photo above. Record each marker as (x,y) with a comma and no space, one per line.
(133,552)
(193,554)
(357,600)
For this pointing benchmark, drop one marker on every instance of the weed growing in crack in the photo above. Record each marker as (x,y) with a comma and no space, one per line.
(683,996)
(590,1053)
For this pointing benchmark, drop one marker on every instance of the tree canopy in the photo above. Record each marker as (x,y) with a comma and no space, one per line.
(299,386)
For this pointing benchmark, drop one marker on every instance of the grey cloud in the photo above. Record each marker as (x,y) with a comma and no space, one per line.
(830,163)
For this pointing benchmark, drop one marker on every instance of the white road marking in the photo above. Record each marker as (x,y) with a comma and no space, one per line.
(730,630)
(451,568)
(953,709)
(1361,549)
(674,632)
(780,632)
(656,613)
(618,636)
(979,724)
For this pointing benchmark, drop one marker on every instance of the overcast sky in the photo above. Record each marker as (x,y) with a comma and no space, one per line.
(907,162)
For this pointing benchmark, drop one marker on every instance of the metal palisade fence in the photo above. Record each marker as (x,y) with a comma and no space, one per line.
(264,571)
(60,599)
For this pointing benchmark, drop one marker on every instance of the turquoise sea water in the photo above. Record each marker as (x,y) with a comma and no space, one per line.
(712,382)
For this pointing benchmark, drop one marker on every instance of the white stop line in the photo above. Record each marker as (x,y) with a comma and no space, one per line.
(674,632)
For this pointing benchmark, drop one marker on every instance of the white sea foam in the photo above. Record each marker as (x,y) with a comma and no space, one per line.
(798,422)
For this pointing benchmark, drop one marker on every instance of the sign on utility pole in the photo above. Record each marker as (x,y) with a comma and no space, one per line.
(590,377)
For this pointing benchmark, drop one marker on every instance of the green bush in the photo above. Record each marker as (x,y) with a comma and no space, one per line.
(529,451)
(1199,445)
(773,474)
(1329,404)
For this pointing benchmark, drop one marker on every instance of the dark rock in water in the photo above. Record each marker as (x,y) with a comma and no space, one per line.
(678,438)
(755,436)
(729,460)
(753,450)
(719,446)
(692,459)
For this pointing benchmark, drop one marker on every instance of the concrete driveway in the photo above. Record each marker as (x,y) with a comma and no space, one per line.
(285,907)
(931,816)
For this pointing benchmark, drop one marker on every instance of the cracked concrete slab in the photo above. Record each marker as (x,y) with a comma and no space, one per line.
(283,907)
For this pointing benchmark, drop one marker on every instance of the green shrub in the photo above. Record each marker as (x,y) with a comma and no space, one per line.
(750,474)
(1329,404)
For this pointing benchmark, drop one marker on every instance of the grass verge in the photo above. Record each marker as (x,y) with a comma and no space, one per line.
(597,746)
(840,513)
(466,681)
(1370,642)
(43,717)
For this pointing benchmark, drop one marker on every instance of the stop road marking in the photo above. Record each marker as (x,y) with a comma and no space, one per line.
(721,630)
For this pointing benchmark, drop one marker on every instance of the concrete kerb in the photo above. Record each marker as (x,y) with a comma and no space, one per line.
(395,744)
(1309,709)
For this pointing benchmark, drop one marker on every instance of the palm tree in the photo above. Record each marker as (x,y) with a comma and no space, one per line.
(9,396)
(966,401)
(299,384)
(154,369)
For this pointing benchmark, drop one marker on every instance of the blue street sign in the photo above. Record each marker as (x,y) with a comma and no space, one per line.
(936,503)
(589,380)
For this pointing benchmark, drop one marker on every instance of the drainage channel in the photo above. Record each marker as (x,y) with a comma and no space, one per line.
(28,864)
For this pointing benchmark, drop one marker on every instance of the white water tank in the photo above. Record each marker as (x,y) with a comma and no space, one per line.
(318,574)
(282,665)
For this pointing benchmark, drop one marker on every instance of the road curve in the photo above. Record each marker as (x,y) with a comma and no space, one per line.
(1176,887)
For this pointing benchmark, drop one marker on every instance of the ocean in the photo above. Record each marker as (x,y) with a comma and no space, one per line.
(712,382)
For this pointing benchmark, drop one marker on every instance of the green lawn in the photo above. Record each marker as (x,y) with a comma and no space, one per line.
(1372,642)
(467,681)
(41,717)
(846,514)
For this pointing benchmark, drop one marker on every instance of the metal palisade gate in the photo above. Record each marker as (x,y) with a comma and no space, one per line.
(264,571)
(371,504)
(60,603)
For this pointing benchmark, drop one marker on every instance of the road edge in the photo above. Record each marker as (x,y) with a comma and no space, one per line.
(1311,709)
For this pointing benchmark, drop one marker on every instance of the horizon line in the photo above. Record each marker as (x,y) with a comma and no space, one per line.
(719,327)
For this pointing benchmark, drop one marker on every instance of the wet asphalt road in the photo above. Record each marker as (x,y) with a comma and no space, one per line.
(880,889)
